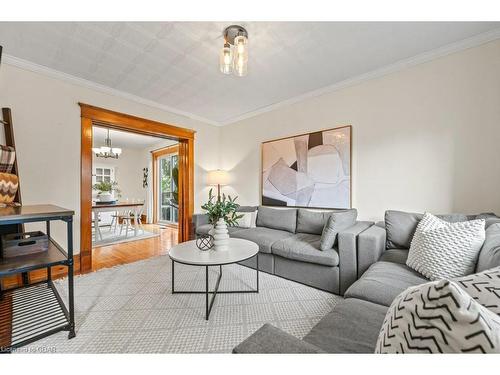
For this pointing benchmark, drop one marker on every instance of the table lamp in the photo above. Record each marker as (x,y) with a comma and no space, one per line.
(218,177)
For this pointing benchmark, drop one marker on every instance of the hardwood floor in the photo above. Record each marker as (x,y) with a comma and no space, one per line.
(113,255)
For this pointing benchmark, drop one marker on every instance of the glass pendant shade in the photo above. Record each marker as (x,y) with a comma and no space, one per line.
(240,56)
(116,151)
(226,59)
(234,54)
(240,68)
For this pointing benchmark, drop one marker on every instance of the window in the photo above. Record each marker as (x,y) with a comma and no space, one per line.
(105,174)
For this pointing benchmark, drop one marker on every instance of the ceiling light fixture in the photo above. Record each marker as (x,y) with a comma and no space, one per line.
(234,53)
(107,151)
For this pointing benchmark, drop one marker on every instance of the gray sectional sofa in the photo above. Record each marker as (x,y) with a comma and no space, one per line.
(289,240)
(354,324)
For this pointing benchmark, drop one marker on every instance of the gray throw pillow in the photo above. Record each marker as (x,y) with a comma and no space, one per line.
(337,222)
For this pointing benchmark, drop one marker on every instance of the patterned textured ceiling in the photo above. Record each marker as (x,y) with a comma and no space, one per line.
(175,64)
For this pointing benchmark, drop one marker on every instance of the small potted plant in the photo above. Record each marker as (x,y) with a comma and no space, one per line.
(106,191)
(221,214)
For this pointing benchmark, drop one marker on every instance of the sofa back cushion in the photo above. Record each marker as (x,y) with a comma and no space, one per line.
(247,208)
(400,226)
(274,218)
(489,217)
(311,222)
(489,257)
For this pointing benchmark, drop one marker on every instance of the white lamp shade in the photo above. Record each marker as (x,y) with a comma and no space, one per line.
(217,177)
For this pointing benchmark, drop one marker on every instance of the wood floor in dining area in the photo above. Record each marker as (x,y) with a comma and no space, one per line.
(128,252)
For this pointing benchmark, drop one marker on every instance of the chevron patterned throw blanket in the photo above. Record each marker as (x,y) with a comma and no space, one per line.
(9,184)
(7,157)
(440,317)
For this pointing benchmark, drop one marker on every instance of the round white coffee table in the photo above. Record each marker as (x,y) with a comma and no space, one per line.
(189,254)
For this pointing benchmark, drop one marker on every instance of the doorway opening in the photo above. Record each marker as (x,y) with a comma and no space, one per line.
(117,189)
(165,180)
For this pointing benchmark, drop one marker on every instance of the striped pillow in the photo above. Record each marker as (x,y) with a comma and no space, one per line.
(9,184)
(7,158)
(438,317)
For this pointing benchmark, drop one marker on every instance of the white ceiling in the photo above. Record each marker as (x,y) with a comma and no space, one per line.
(175,64)
(127,140)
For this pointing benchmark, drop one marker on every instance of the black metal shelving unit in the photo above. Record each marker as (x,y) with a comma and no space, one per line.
(35,311)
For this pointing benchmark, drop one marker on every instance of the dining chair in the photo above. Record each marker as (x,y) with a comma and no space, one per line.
(127,221)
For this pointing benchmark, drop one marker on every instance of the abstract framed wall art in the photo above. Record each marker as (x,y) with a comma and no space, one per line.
(309,170)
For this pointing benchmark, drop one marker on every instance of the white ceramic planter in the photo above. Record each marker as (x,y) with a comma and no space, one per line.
(105,197)
(221,236)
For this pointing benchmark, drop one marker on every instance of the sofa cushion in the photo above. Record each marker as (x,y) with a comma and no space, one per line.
(246,208)
(305,247)
(337,222)
(311,221)
(205,228)
(264,237)
(401,226)
(489,257)
(271,340)
(395,256)
(489,217)
(351,327)
(280,219)
(383,281)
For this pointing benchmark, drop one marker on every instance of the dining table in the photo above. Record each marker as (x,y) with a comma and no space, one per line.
(133,206)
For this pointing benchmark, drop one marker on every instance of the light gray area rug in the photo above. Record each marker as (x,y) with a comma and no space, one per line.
(130,309)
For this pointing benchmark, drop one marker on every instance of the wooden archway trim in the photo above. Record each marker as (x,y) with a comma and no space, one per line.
(91,115)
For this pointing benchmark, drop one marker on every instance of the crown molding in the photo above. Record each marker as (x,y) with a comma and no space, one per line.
(392,68)
(448,49)
(33,67)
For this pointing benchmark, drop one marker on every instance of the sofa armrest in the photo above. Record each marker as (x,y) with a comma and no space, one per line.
(198,220)
(371,245)
(347,247)
(272,340)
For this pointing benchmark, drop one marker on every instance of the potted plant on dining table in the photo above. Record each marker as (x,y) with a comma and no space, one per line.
(222,212)
(106,191)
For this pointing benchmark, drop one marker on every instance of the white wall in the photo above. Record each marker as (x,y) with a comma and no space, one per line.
(47,130)
(128,172)
(426,138)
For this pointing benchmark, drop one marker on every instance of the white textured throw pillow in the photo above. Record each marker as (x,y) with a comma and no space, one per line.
(248,220)
(484,287)
(438,317)
(440,249)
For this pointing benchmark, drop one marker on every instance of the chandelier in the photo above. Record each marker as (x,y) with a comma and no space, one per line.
(234,54)
(107,151)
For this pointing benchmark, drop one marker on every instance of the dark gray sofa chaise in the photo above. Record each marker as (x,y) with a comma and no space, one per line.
(289,240)
(354,324)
